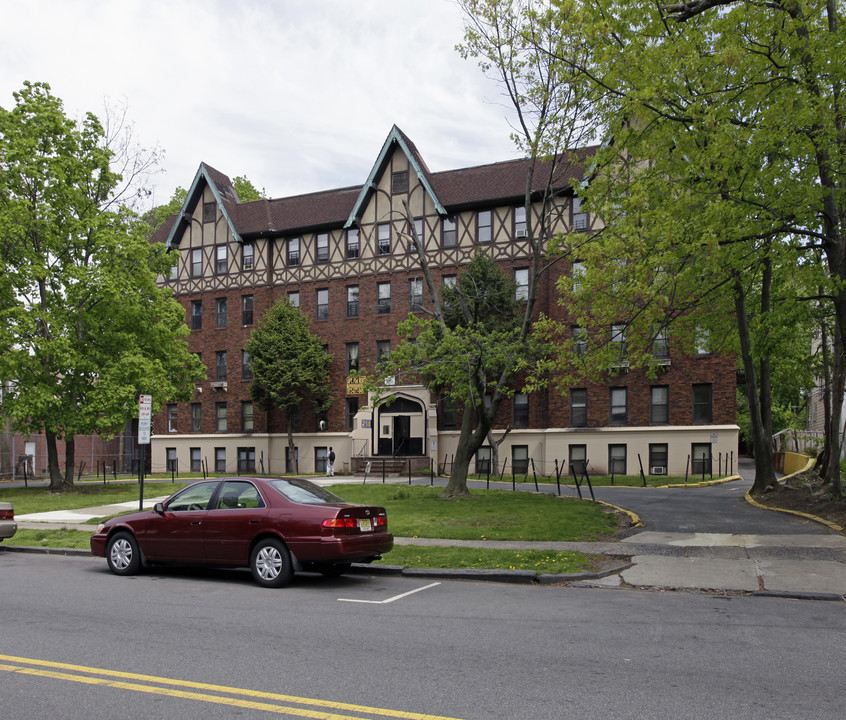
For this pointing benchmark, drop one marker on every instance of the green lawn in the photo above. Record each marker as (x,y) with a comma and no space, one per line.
(412,512)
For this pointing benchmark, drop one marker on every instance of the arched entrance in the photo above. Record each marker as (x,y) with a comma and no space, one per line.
(401,426)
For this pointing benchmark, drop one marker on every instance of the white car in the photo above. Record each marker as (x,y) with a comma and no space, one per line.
(8,526)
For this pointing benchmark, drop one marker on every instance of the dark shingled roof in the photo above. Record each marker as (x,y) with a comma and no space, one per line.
(482,185)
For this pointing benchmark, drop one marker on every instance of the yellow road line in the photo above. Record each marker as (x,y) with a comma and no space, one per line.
(108,682)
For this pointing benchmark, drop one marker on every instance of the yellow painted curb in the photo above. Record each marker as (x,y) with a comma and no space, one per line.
(807,467)
(814,518)
(635,518)
(707,483)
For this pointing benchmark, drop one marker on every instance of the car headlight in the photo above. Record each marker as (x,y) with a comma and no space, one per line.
(100,527)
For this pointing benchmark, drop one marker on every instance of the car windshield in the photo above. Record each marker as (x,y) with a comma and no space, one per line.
(303,491)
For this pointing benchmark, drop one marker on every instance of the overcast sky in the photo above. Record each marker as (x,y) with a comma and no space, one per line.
(298,95)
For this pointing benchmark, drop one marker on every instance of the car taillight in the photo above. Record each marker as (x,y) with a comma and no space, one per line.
(340,522)
(7,514)
(380,521)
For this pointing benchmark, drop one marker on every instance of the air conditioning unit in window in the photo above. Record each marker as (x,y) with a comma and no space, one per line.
(659,470)
(219,385)
(521,233)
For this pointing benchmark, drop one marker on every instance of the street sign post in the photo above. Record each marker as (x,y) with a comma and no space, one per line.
(145,414)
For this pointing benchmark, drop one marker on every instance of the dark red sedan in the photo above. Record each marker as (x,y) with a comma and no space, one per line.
(273,526)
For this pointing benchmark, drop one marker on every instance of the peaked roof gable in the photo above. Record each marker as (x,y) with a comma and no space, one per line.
(223,192)
(396,138)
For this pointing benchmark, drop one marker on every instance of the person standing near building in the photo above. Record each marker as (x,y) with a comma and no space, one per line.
(330,462)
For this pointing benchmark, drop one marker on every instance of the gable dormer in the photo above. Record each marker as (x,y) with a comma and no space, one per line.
(224,198)
(398,172)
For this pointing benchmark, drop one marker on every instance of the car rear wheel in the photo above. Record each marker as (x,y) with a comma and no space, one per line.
(270,563)
(123,555)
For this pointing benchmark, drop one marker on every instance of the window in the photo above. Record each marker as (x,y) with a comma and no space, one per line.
(449,233)
(383,298)
(196,314)
(383,350)
(520,227)
(418,231)
(618,343)
(521,280)
(209,212)
(247,256)
(578,459)
(352,357)
(220,417)
(484,226)
(701,343)
(220,365)
(246,309)
(617,459)
(294,298)
(220,312)
(520,459)
(399,182)
(196,417)
(323,304)
(449,412)
(352,301)
(618,406)
(170,461)
(293,251)
(353,246)
(171,418)
(483,461)
(383,239)
(579,337)
(246,366)
(700,458)
(293,419)
(246,416)
(521,410)
(659,405)
(660,345)
(658,458)
(220,460)
(415,294)
(196,459)
(321,421)
(174,269)
(322,247)
(577,273)
(578,407)
(702,412)
(350,410)
(221,261)
(580,218)
(196,262)
(246,460)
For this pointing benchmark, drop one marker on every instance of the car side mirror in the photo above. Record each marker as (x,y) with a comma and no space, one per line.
(159,508)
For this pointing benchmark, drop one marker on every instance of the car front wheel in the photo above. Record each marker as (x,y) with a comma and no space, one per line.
(123,555)
(270,563)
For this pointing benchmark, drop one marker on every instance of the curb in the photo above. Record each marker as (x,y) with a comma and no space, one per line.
(798,595)
(830,525)
(45,551)
(635,518)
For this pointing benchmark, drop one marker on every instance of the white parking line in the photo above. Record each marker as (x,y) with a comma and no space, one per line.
(385,602)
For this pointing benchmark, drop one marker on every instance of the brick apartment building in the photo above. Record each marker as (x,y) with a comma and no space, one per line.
(344,258)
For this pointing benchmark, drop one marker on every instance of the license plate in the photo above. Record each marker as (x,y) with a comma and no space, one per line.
(364,525)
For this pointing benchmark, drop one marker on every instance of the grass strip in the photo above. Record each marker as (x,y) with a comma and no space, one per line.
(453,558)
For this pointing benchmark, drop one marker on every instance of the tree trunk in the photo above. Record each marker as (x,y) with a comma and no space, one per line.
(467,446)
(292,450)
(764,464)
(56,479)
(70,459)
(834,427)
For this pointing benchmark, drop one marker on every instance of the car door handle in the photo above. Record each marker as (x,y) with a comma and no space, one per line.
(197,522)
(254,522)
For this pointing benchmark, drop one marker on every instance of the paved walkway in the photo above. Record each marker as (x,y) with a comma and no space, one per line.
(692,538)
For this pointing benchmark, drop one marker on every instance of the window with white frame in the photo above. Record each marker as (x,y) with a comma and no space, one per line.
(659,404)
(449,232)
(322,247)
(578,407)
(383,239)
(294,298)
(521,280)
(220,417)
(618,342)
(220,312)
(580,218)
(383,298)
(220,460)
(415,294)
(220,365)
(520,227)
(353,246)
(246,309)
(171,418)
(619,405)
(196,262)
(484,226)
(352,301)
(293,251)
(246,416)
(352,357)
(617,459)
(323,304)
(221,259)
(521,410)
(247,256)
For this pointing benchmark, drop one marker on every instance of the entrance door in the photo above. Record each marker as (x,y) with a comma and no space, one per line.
(402,434)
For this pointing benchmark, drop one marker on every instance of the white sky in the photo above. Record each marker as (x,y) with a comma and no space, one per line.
(298,95)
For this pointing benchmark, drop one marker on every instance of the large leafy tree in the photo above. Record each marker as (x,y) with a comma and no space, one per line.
(722,169)
(290,365)
(84,328)
(471,350)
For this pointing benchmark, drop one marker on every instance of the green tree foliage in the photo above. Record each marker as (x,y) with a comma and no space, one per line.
(290,365)
(722,171)
(246,191)
(471,351)
(84,328)
(157,216)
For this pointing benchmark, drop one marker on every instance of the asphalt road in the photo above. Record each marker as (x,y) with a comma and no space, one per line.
(466,650)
